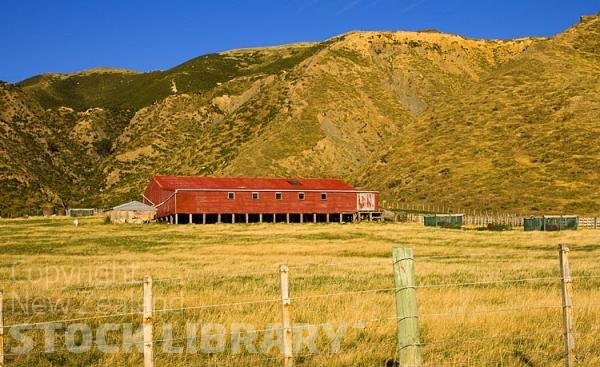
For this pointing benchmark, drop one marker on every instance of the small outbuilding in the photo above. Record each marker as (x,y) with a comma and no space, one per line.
(132,212)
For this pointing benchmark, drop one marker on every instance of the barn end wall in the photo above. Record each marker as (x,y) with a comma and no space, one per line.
(155,195)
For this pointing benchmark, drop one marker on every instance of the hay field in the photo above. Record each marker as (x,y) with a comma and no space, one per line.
(511,317)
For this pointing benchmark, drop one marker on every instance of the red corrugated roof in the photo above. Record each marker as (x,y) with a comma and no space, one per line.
(225,183)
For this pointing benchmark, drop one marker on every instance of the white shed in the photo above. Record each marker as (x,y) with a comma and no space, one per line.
(132,212)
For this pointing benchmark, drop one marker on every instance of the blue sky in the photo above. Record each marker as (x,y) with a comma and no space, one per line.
(72,35)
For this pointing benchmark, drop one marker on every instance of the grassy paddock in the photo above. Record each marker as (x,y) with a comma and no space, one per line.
(502,323)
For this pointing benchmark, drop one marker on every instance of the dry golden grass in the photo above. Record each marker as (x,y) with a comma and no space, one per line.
(497,324)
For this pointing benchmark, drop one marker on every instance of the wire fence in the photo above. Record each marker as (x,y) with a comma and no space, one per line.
(430,341)
(415,213)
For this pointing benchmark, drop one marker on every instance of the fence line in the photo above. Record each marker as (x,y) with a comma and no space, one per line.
(218,305)
(339,294)
(588,305)
(490,311)
(588,222)
(138,282)
(480,338)
(382,261)
(64,321)
(596,328)
(512,220)
(107,286)
(1,328)
(322,295)
(370,262)
(415,213)
(586,277)
(486,282)
(386,262)
(345,293)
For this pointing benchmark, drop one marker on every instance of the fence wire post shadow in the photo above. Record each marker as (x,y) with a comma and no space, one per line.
(1,328)
(567,305)
(286,318)
(147,322)
(409,352)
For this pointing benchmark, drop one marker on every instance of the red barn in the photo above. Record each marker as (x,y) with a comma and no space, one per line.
(188,199)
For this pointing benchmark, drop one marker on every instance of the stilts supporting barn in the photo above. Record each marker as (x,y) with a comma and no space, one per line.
(203,200)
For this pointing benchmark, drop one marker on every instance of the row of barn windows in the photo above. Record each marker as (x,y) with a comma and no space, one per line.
(278,196)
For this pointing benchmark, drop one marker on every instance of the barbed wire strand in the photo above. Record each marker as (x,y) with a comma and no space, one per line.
(593,329)
(585,277)
(103,286)
(218,305)
(486,282)
(305,297)
(275,272)
(64,321)
(586,305)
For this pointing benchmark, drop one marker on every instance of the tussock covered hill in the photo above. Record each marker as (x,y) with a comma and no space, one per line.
(525,136)
(423,117)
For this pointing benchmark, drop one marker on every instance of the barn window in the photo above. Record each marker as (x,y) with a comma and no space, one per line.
(323,196)
(231,195)
(300,196)
(278,196)
(255,196)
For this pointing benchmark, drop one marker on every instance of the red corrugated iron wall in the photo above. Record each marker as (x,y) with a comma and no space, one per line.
(266,202)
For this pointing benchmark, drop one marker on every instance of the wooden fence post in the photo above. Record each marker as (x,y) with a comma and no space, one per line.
(1,329)
(406,308)
(567,287)
(286,319)
(147,322)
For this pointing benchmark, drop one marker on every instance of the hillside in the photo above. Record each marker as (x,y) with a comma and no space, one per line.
(525,136)
(423,117)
